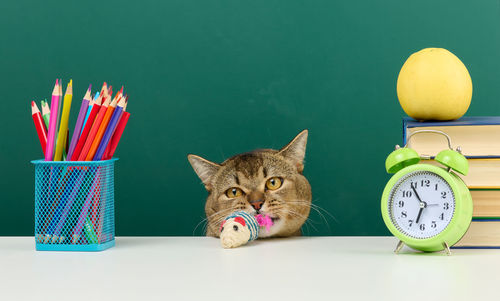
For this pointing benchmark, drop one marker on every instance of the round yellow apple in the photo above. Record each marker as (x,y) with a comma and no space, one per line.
(434,84)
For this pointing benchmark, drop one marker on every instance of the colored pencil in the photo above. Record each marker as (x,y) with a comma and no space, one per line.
(49,154)
(109,130)
(101,127)
(68,202)
(79,122)
(118,134)
(105,156)
(83,137)
(63,128)
(58,114)
(39,125)
(58,185)
(45,113)
(95,209)
(89,231)
(89,109)
(85,208)
(104,112)
(64,193)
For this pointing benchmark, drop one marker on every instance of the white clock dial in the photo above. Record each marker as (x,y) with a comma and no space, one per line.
(421,204)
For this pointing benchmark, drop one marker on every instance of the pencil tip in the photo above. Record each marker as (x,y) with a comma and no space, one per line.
(32,103)
(57,81)
(90,87)
(70,82)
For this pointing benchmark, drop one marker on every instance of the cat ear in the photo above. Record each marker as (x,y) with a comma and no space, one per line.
(203,168)
(296,150)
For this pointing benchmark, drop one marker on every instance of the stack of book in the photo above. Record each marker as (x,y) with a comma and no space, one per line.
(479,139)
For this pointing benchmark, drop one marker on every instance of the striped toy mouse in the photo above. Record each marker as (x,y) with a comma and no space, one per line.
(240,228)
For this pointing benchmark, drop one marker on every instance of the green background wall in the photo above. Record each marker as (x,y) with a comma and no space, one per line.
(216,78)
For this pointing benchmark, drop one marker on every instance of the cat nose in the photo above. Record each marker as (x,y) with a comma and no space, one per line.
(257,204)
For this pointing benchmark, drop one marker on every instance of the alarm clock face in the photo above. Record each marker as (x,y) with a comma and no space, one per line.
(421,204)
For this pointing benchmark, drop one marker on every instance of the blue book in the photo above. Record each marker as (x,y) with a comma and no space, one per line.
(478,137)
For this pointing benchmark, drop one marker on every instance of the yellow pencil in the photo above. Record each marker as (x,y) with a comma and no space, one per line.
(63,128)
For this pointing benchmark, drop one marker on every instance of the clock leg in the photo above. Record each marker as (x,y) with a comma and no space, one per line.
(399,247)
(447,248)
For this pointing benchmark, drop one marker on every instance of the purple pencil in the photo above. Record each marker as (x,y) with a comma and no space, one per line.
(110,130)
(79,122)
(54,108)
(85,208)
(69,203)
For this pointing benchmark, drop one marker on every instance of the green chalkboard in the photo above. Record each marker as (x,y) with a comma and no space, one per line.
(216,78)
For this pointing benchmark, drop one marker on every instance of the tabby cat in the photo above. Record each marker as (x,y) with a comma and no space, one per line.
(266,182)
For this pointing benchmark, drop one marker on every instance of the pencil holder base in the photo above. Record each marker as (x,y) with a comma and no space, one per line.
(76,248)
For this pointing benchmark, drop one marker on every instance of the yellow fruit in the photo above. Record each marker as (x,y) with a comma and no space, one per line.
(434,84)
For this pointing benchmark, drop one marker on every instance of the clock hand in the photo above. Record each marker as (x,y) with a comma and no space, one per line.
(422,205)
(416,194)
(419,213)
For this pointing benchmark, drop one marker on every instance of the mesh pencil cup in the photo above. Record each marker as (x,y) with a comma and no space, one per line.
(74,205)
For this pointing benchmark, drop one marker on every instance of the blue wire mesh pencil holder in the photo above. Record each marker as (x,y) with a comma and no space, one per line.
(74,205)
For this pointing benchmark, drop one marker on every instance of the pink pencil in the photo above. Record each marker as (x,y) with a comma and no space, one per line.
(54,108)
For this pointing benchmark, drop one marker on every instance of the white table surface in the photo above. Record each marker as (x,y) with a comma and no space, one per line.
(197,268)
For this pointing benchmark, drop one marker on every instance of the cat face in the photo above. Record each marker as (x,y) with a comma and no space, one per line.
(266,182)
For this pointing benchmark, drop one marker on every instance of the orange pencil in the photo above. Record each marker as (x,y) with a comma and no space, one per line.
(93,130)
(102,128)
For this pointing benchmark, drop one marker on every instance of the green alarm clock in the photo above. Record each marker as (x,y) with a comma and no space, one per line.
(427,207)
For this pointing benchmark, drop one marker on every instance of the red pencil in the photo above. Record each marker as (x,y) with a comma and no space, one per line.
(41,130)
(86,129)
(106,152)
(118,134)
(93,131)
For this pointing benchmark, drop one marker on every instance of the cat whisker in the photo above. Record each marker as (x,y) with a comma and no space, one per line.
(206,220)
(318,208)
(307,219)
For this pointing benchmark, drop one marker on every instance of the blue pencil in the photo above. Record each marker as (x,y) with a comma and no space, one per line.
(62,201)
(55,174)
(89,109)
(77,204)
(68,202)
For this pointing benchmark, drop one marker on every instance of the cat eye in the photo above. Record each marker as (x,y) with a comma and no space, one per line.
(234,192)
(274,183)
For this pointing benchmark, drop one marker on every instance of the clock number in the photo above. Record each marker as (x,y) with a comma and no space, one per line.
(410,222)
(425,183)
(433,225)
(414,184)
(446,206)
(436,187)
(441,216)
(407,194)
(403,214)
(422,227)
(401,204)
(443,194)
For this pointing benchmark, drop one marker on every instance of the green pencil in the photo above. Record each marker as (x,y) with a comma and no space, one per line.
(45,112)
